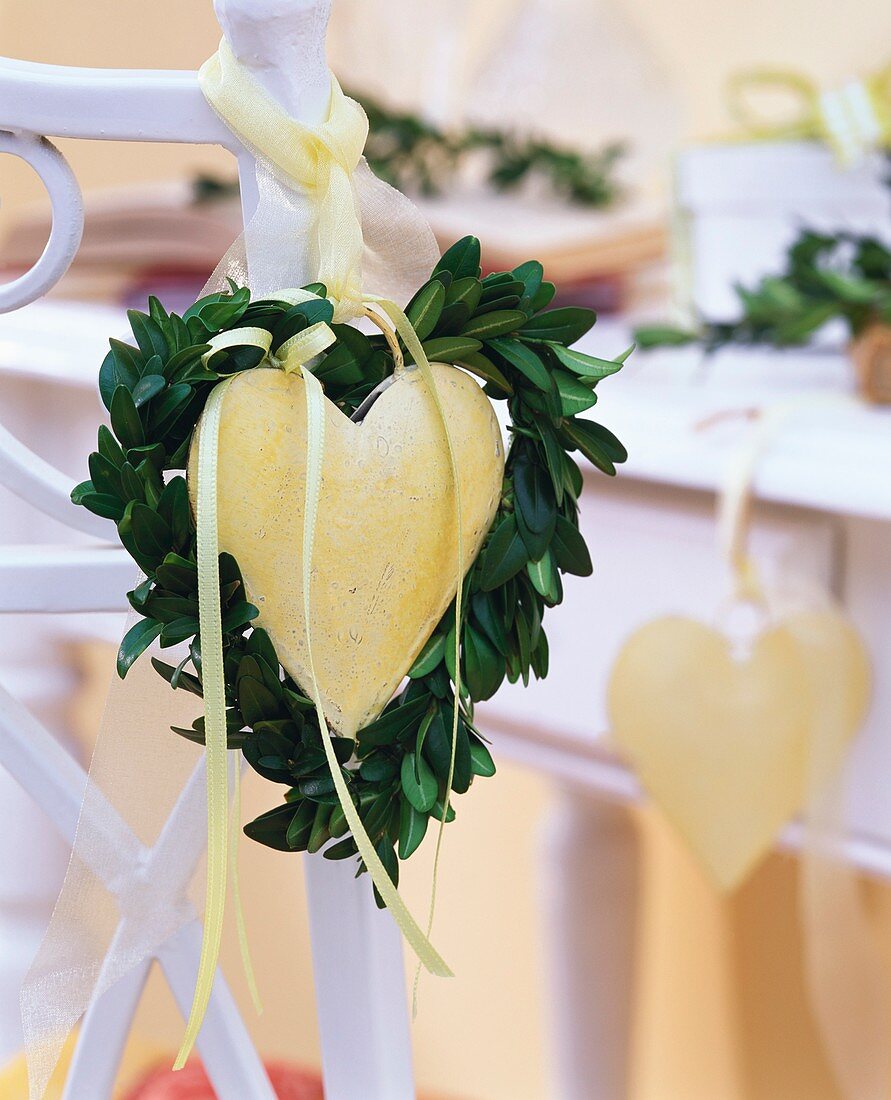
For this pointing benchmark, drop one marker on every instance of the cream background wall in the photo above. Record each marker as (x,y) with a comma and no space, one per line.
(709,966)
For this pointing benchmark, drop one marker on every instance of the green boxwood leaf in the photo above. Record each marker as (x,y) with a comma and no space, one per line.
(570,550)
(483,665)
(525,360)
(135,642)
(343,850)
(575,396)
(412,828)
(148,333)
(418,782)
(596,443)
(125,420)
(274,827)
(504,556)
(106,477)
(429,657)
(449,349)
(122,366)
(481,759)
(564,326)
(483,367)
(424,309)
(109,447)
(589,366)
(462,259)
(487,326)
(101,504)
(488,615)
(394,722)
(149,386)
(319,834)
(466,291)
(150,533)
(543,574)
(543,296)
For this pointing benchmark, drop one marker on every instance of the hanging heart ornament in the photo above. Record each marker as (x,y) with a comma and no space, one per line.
(724,740)
(384,564)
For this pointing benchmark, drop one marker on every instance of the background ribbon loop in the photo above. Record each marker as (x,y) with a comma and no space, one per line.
(852,119)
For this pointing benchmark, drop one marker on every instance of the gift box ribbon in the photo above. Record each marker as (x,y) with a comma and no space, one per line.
(852,119)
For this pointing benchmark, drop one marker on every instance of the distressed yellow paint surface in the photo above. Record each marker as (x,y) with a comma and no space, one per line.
(385,561)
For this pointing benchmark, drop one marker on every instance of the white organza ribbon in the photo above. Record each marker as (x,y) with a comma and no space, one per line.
(142,829)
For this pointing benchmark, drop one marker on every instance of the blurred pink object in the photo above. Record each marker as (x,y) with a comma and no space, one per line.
(289,1082)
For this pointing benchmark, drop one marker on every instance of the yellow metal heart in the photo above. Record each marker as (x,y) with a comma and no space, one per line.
(725,744)
(385,559)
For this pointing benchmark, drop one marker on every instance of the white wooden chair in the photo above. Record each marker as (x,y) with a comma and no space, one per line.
(357,952)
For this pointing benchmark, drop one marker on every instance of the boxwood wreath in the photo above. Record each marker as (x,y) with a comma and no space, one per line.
(499,328)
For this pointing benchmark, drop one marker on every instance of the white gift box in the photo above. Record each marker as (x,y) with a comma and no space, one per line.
(739,206)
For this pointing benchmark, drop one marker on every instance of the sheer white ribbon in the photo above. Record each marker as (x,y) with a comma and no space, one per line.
(142,828)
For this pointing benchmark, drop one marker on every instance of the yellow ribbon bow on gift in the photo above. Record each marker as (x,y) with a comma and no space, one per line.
(319,163)
(852,119)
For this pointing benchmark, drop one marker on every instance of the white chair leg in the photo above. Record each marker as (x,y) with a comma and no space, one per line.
(591,862)
(227,1052)
(360,987)
(103,1036)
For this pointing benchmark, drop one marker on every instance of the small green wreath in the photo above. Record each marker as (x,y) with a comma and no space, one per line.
(499,328)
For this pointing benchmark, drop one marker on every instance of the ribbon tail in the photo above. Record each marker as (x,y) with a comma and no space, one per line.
(414,347)
(211,633)
(240,923)
(315,444)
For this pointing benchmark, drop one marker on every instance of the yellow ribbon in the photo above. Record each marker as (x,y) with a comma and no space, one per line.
(851,119)
(290,357)
(410,338)
(318,161)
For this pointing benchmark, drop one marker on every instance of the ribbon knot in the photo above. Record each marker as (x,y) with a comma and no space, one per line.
(318,162)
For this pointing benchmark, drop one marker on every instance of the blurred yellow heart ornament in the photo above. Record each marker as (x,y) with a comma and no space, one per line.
(385,541)
(724,741)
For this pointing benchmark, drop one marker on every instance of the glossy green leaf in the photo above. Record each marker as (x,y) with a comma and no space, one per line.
(487,326)
(125,420)
(412,829)
(425,308)
(524,359)
(135,642)
(418,782)
(589,366)
(504,556)
(570,551)
(564,325)
(462,259)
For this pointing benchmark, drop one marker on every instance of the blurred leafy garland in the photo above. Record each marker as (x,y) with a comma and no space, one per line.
(416,156)
(497,327)
(827,277)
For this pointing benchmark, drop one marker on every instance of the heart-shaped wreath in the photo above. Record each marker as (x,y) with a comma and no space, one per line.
(497,327)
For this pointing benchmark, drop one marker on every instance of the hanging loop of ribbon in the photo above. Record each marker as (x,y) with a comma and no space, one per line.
(852,119)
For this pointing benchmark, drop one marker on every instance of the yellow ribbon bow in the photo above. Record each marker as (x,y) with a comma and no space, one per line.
(852,119)
(318,161)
